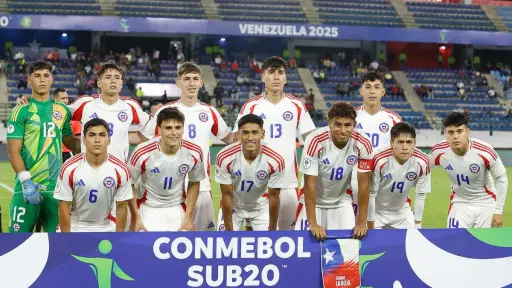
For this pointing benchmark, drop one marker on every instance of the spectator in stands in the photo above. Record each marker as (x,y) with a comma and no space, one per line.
(394,90)
(327,63)
(403,60)
(323,78)
(401,91)
(440,60)
(140,93)
(311,96)
(430,91)
(22,82)
(293,63)
(156,54)
(462,94)
(203,95)
(234,66)
(234,92)
(339,88)
(422,91)
(460,84)
(476,62)
(130,83)
(20,100)
(223,66)
(218,60)
(218,93)
(492,93)
(316,76)
(374,65)
(355,85)
(8,49)
(451,61)
(164,97)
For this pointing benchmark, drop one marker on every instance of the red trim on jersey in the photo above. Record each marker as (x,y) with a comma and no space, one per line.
(451,203)
(358,108)
(141,151)
(297,193)
(408,200)
(195,160)
(299,113)
(319,152)
(130,99)
(380,168)
(184,207)
(136,119)
(228,152)
(379,156)
(486,162)
(70,178)
(228,167)
(143,199)
(121,164)
(118,177)
(393,119)
(315,141)
(360,138)
(193,147)
(297,212)
(490,193)
(421,170)
(143,166)
(251,111)
(215,126)
(393,113)
(70,161)
(350,193)
(420,155)
(442,145)
(486,149)
(95,96)
(271,169)
(77,116)
(111,218)
(208,166)
(249,101)
(296,165)
(437,161)
(274,155)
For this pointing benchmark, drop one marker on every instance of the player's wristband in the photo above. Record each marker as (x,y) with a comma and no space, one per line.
(24,175)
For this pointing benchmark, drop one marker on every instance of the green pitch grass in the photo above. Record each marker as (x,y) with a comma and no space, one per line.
(436,206)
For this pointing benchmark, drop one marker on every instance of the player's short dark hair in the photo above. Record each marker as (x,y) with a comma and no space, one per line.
(372,76)
(171,113)
(94,123)
(455,119)
(250,118)
(108,66)
(402,128)
(342,110)
(39,65)
(57,91)
(274,62)
(189,67)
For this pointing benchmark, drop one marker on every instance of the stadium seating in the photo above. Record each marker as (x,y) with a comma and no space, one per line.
(161,8)
(443,82)
(400,106)
(358,12)
(261,10)
(450,16)
(58,7)
(506,13)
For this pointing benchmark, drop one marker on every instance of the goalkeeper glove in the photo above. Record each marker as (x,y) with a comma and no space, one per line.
(30,193)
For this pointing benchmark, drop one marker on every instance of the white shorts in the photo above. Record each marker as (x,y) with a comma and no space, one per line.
(162,219)
(340,218)
(81,227)
(287,208)
(203,213)
(464,215)
(401,220)
(354,188)
(258,220)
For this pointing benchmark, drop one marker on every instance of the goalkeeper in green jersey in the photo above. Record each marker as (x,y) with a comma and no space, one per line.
(35,133)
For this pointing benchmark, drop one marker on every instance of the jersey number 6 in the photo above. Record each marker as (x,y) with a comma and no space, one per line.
(92,196)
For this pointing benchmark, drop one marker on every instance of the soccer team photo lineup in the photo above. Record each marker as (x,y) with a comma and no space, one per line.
(75,171)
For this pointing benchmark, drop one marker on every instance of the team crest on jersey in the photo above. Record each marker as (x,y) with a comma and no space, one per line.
(262,175)
(10,129)
(384,127)
(57,188)
(411,176)
(16,227)
(203,117)
(122,116)
(474,168)
(351,160)
(183,169)
(57,115)
(307,163)
(222,227)
(109,182)
(288,116)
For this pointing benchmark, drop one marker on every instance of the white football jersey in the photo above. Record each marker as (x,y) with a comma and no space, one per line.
(471,175)
(333,166)
(93,191)
(250,181)
(123,116)
(377,127)
(163,176)
(392,182)
(281,122)
(201,122)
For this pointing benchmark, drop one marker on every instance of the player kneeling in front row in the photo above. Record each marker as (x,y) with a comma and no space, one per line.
(161,165)
(329,156)
(90,182)
(244,171)
(470,163)
(396,171)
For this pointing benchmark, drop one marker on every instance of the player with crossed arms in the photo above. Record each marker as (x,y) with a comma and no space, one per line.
(373,119)
(329,156)
(90,182)
(245,172)
(201,122)
(161,164)
(396,171)
(471,164)
(283,115)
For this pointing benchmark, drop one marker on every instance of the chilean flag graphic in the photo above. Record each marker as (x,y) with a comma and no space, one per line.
(340,263)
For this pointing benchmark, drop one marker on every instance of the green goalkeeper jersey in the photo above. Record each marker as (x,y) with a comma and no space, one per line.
(41,126)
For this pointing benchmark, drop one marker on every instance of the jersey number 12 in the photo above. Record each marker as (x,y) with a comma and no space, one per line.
(49,130)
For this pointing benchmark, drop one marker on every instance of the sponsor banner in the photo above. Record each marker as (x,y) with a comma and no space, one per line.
(237,28)
(387,258)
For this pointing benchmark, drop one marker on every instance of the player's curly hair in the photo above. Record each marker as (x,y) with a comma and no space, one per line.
(109,66)
(189,67)
(342,110)
(171,113)
(372,76)
(455,119)
(402,128)
(39,65)
(274,62)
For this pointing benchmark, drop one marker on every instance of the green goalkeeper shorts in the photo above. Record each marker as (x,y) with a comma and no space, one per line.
(24,215)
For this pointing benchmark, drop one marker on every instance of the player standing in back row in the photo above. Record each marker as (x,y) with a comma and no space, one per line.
(284,115)
(470,163)
(373,120)
(201,122)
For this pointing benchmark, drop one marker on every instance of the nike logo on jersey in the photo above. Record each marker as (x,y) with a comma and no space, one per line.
(93,116)
(155,170)
(326,161)
(80,183)
(449,167)
(359,126)
(388,176)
